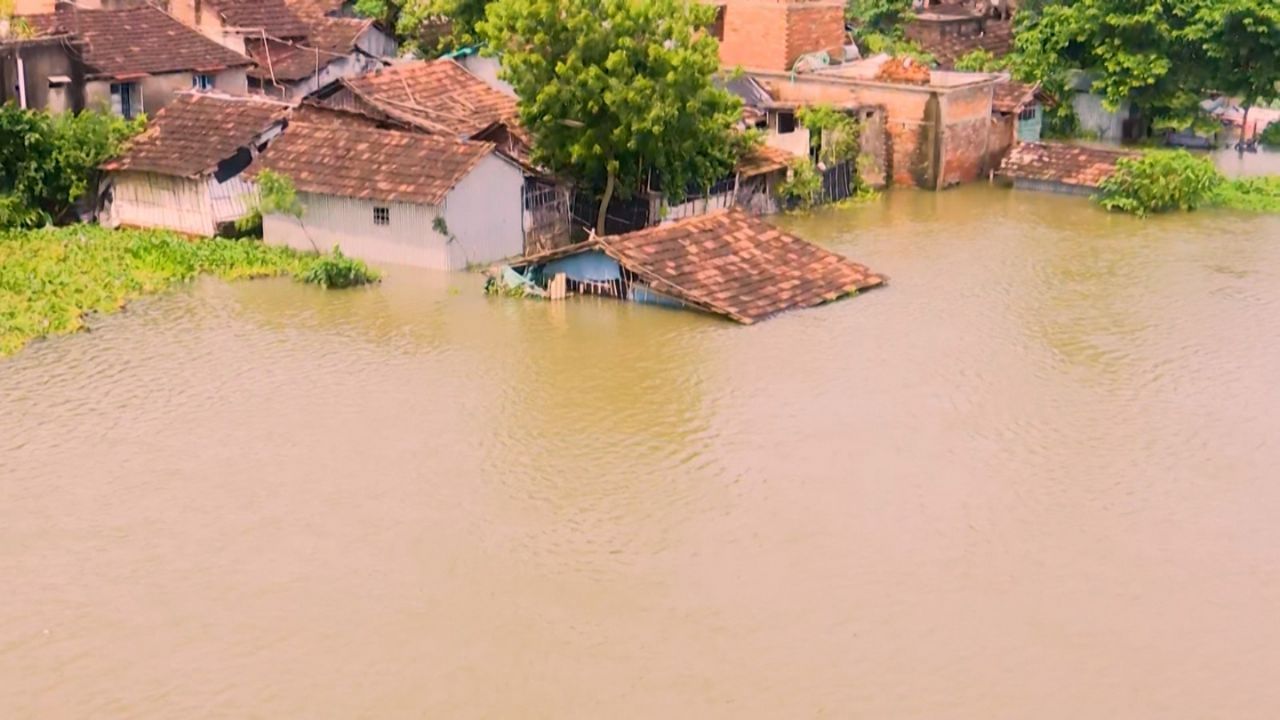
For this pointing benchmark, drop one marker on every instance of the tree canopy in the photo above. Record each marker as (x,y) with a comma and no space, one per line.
(428,25)
(614,92)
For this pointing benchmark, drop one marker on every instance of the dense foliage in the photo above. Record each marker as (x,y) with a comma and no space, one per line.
(802,186)
(1271,135)
(50,279)
(336,271)
(613,92)
(885,17)
(982,61)
(428,26)
(1255,194)
(48,162)
(1162,56)
(833,134)
(1159,181)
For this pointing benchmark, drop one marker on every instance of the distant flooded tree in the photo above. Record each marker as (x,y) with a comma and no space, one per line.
(612,91)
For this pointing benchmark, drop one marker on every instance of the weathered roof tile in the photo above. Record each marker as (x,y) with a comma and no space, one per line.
(1076,165)
(437,95)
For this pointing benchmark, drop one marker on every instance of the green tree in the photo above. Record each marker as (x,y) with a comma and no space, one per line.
(980,60)
(885,17)
(48,162)
(1241,40)
(419,23)
(612,91)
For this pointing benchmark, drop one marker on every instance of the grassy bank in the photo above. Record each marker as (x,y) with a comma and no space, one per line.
(50,279)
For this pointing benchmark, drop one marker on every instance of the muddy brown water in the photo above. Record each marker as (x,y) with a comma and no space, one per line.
(1036,477)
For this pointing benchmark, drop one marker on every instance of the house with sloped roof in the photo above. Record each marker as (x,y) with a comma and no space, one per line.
(184,172)
(334,48)
(729,263)
(130,60)
(396,196)
(233,22)
(1059,167)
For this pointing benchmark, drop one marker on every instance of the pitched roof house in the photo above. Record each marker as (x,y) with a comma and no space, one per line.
(397,197)
(1059,167)
(231,22)
(183,172)
(730,263)
(333,48)
(131,60)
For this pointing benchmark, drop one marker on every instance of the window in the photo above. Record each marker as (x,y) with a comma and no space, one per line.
(203,83)
(1028,112)
(125,100)
(381,216)
(786,123)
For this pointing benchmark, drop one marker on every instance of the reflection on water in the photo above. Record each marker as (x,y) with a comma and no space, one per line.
(1033,477)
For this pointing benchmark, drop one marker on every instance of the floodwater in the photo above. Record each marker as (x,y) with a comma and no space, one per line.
(1035,477)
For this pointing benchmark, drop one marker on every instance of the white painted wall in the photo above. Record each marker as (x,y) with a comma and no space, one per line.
(485,213)
(159,201)
(327,221)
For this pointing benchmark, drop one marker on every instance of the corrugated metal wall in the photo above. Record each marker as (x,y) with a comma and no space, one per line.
(161,201)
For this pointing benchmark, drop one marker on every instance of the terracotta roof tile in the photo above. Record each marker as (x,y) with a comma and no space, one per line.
(733,264)
(196,131)
(271,16)
(437,95)
(1011,96)
(327,40)
(1061,163)
(307,9)
(764,159)
(353,160)
(141,40)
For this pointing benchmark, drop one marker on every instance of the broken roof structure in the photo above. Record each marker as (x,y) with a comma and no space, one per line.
(327,40)
(1059,167)
(272,17)
(729,263)
(356,161)
(1012,96)
(438,96)
(134,42)
(197,131)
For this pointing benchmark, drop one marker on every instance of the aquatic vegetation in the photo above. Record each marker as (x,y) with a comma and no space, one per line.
(1164,180)
(337,271)
(51,279)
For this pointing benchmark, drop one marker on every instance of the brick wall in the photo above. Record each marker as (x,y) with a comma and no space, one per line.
(771,34)
(966,135)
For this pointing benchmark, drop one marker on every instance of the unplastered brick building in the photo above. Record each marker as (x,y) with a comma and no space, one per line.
(773,34)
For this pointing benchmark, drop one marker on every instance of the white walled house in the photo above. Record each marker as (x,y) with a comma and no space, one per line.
(388,196)
(184,172)
(334,48)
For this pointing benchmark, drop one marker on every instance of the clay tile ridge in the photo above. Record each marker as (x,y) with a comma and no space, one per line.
(730,263)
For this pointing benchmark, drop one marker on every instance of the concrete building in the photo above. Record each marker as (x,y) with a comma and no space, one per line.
(184,172)
(397,197)
(130,61)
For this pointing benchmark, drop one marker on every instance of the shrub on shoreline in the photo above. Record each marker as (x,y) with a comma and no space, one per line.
(1163,180)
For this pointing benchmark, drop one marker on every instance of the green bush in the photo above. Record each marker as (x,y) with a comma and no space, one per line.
(336,270)
(48,162)
(1271,135)
(1256,194)
(980,60)
(800,189)
(1159,181)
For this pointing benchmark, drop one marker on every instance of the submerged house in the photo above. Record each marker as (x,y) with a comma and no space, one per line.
(184,172)
(1017,116)
(729,263)
(1059,167)
(130,60)
(393,196)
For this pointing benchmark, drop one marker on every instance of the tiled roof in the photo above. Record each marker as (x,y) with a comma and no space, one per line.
(196,131)
(327,40)
(997,39)
(1061,163)
(272,16)
(141,40)
(763,159)
(439,95)
(1011,96)
(307,9)
(352,160)
(733,264)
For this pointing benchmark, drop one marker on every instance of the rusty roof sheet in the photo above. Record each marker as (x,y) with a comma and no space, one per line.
(356,161)
(997,39)
(731,263)
(327,40)
(196,131)
(271,16)
(141,40)
(1076,165)
(439,95)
